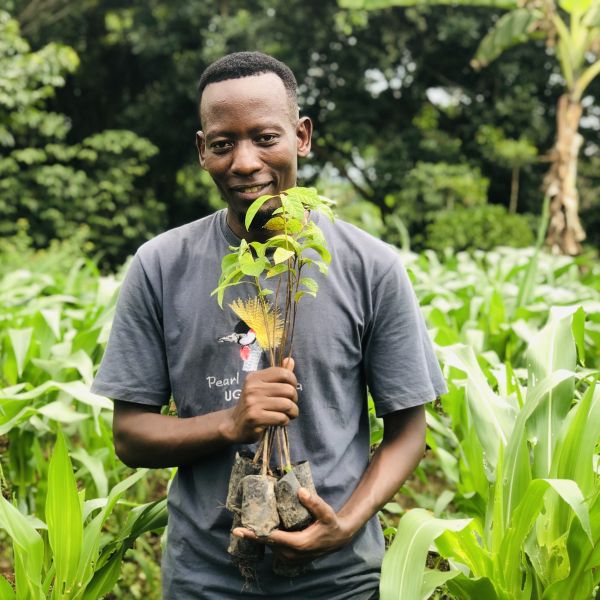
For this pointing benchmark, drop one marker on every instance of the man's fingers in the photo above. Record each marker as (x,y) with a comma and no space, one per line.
(285,538)
(242,532)
(276,374)
(282,390)
(319,509)
(289,364)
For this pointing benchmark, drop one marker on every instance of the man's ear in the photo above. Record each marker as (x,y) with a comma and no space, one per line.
(304,130)
(201,146)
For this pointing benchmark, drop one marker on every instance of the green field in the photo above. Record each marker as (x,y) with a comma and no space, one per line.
(509,488)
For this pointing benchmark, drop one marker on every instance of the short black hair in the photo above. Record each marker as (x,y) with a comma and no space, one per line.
(246,64)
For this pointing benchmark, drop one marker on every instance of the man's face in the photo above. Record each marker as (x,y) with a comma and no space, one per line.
(250,142)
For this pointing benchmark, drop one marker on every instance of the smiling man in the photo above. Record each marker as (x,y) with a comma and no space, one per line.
(170,339)
(251,138)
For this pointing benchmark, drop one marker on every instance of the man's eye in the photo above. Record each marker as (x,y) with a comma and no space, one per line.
(267,138)
(220,146)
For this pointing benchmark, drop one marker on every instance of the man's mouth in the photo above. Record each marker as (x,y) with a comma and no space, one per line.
(250,189)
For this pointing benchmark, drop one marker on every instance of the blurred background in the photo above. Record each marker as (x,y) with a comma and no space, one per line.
(416,141)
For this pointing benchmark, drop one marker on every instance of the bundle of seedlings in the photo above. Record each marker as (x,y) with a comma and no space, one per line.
(263,486)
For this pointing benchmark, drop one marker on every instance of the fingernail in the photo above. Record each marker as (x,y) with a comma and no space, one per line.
(238,533)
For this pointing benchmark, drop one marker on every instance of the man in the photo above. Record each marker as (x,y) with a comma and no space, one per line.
(170,338)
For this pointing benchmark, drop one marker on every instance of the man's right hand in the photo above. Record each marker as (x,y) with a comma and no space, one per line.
(268,398)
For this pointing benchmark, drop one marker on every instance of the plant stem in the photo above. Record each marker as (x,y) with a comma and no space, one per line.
(266,321)
(265,453)
(259,448)
(276,305)
(286,447)
(294,313)
(286,319)
(279,436)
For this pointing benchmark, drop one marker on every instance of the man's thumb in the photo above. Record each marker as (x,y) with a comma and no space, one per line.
(288,363)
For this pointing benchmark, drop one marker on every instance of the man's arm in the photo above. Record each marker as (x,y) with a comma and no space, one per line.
(145,438)
(397,456)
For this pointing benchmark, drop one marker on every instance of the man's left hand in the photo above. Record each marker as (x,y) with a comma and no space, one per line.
(328,532)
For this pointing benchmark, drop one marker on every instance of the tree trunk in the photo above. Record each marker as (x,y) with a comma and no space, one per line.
(565,232)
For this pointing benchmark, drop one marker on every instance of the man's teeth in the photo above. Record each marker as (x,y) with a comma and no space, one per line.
(252,190)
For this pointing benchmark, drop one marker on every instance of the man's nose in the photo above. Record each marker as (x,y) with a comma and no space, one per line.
(245,159)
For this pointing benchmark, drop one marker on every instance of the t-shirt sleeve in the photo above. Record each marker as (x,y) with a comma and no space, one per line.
(401,366)
(134,367)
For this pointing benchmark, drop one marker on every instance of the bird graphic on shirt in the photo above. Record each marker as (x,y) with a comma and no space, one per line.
(250,350)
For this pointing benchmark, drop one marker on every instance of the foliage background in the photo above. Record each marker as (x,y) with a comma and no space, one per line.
(97,121)
(403,123)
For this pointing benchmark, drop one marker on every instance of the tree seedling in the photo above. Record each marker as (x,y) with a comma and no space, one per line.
(261,496)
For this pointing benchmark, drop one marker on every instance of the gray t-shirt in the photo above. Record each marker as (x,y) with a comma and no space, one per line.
(169,337)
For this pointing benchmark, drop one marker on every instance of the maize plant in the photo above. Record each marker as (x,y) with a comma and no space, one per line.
(69,557)
(528,452)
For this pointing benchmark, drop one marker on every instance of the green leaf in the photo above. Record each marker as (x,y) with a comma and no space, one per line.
(233,278)
(292,207)
(28,549)
(75,389)
(64,519)
(62,412)
(575,6)
(326,210)
(52,318)
(251,267)
(466,547)
(104,578)
(467,588)
(275,224)
(284,241)
(528,281)
(552,349)
(282,255)
(220,291)
(433,579)
(290,225)
(575,450)
(517,468)
(524,517)
(310,284)
(320,250)
(308,197)
(511,29)
(323,268)
(95,467)
(493,416)
(402,571)
(277,270)
(93,530)
(583,556)
(148,517)
(592,18)
(6,590)
(578,330)
(254,208)
(228,262)
(20,340)
(259,248)
(380,4)
(13,414)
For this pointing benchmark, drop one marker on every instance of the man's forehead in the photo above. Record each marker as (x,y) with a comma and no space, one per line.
(265,92)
